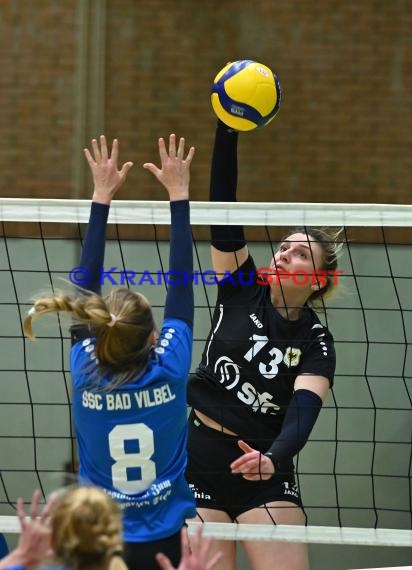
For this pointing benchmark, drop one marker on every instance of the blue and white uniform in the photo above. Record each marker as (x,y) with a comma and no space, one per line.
(132,439)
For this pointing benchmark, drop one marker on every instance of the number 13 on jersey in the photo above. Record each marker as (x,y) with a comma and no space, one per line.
(270,369)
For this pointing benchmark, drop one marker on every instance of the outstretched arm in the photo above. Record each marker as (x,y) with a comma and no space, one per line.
(34,543)
(300,418)
(195,556)
(174,174)
(229,250)
(107,179)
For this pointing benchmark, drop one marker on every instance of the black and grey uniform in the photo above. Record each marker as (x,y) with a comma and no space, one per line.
(245,382)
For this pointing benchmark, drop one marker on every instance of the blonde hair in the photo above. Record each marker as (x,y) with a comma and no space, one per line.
(86,529)
(330,242)
(122,323)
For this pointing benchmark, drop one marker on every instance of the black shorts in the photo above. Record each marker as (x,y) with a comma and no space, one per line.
(141,555)
(210,453)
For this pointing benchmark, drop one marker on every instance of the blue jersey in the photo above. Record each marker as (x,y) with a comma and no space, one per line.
(132,440)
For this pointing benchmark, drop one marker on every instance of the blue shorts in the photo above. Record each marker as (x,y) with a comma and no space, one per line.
(210,453)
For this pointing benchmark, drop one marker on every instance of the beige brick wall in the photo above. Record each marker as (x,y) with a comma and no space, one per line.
(343,133)
(37,68)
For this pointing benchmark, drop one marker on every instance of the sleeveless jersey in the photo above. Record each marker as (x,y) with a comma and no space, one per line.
(252,358)
(132,440)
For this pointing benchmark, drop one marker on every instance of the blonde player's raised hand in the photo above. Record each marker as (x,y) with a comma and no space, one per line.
(174,172)
(107,178)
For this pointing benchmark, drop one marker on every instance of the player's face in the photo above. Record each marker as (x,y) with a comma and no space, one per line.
(298,256)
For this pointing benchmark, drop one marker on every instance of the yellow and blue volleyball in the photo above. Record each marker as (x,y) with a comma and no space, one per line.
(246,95)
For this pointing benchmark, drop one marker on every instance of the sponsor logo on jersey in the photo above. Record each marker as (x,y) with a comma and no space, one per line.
(229,374)
(228,371)
(256,321)
(199,494)
(292,356)
(290,489)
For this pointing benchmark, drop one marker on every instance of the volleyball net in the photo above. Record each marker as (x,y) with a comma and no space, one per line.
(354,474)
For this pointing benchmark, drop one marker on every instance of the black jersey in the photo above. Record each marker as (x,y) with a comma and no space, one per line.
(253,356)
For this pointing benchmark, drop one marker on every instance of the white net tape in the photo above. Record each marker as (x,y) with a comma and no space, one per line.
(290,533)
(246,213)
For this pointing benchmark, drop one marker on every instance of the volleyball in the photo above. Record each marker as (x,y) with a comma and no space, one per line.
(246,95)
